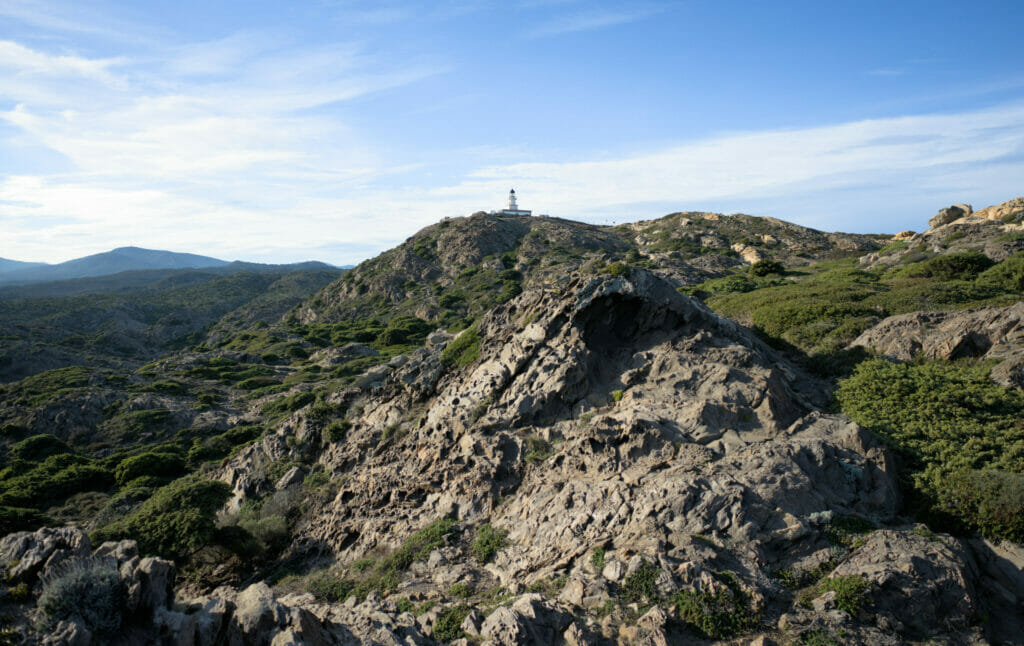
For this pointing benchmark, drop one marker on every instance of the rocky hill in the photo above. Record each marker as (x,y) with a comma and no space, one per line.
(464,266)
(534,431)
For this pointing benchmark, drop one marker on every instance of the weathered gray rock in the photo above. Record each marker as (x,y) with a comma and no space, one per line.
(925,583)
(27,555)
(293,476)
(990,333)
(257,615)
(949,214)
(506,627)
(68,633)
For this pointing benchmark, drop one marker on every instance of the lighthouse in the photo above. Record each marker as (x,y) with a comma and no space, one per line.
(513,208)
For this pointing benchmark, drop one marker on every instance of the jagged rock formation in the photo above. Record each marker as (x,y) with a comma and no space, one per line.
(990,333)
(614,414)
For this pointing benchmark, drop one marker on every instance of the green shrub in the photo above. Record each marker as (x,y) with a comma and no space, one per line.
(988,500)
(254,383)
(719,615)
(461,590)
(287,404)
(851,592)
(336,431)
(537,449)
(177,521)
(1007,275)
(766,267)
(616,268)
(37,448)
(271,532)
(953,266)
(19,593)
(404,605)
(159,464)
(52,480)
(47,386)
(88,590)
(448,626)
(597,558)
(641,585)
(385,576)
(488,542)
(464,350)
(329,586)
(947,418)
(20,519)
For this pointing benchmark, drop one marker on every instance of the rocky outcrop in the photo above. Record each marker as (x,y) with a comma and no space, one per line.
(990,333)
(949,214)
(1011,210)
(38,559)
(920,584)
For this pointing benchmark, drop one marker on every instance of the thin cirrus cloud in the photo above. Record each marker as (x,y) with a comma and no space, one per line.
(941,151)
(589,20)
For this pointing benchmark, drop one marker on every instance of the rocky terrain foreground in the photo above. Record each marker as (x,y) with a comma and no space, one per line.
(599,459)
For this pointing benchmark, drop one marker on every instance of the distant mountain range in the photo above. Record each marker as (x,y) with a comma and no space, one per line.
(124,259)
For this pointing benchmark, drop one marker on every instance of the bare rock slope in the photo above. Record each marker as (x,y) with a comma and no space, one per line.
(631,446)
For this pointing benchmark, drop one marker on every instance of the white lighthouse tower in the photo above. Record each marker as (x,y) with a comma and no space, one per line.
(513,208)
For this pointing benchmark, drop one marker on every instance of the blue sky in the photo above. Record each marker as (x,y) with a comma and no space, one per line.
(280,132)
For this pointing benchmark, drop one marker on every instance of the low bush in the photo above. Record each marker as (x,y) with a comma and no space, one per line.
(387,573)
(616,268)
(336,431)
(153,463)
(448,626)
(1007,275)
(20,519)
(716,615)
(953,266)
(37,448)
(464,349)
(766,267)
(641,585)
(851,592)
(177,521)
(488,542)
(287,404)
(87,590)
(957,428)
(988,500)
(53,480)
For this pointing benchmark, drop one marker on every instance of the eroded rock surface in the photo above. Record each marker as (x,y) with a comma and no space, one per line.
(990,333)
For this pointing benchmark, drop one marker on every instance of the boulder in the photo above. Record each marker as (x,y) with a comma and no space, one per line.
(506,627)
(949,214)
(27,555)
(924,582)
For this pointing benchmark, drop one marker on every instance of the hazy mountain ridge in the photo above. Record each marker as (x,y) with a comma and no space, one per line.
(598,457)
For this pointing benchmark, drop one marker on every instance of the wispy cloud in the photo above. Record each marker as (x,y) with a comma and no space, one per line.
(887,71)
(589,20)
